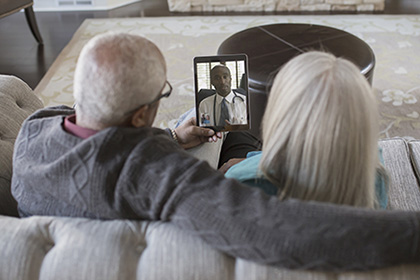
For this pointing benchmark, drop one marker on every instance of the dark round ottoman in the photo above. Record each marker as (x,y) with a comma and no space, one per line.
(270,46)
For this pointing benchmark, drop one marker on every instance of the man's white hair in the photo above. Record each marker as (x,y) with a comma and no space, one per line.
(115,74)
(320,132)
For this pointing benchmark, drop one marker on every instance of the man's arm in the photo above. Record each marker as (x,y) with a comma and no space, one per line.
(246,223)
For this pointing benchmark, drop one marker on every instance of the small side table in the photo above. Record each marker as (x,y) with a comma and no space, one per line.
(270,46)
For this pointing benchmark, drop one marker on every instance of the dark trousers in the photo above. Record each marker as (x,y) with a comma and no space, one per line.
(237,144)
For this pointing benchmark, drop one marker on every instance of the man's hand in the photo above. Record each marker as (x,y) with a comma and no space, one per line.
(190,135)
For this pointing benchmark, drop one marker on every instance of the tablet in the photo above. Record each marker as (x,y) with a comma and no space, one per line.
(221,92)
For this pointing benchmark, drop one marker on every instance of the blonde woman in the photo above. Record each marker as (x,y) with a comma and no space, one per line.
(320,132)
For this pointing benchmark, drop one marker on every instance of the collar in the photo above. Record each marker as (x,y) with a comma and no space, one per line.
(71,127)
(229,97)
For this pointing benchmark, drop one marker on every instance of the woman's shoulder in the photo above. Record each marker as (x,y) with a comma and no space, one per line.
(247,172)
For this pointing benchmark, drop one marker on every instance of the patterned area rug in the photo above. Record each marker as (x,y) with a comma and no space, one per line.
(395,41)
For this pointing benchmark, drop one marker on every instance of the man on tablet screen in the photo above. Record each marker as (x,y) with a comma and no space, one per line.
(225,106)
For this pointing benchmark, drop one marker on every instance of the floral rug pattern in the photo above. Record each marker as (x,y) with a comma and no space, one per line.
(395,41)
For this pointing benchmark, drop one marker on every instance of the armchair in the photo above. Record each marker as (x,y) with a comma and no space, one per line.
(8,7)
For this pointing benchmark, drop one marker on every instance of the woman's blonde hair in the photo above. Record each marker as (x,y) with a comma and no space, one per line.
(320,132)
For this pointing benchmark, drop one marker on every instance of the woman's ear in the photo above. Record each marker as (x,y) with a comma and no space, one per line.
(140,117)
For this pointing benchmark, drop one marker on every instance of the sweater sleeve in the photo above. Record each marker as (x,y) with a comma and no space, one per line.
(246,223)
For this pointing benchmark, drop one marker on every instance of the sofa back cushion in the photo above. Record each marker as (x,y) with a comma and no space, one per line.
(76,248)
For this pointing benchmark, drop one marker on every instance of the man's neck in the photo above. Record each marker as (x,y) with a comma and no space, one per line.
(224,96)
(71,126)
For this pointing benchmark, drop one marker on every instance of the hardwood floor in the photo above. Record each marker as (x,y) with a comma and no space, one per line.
(20,55)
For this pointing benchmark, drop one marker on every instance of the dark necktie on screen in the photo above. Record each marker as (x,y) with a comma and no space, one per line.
(224,113)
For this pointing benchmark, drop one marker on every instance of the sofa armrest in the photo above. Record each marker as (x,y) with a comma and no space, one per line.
(403,191)
(17,102)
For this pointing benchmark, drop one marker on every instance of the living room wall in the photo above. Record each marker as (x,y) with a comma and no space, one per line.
(275,5)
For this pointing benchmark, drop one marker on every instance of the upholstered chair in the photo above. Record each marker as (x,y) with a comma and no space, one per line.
(8,7)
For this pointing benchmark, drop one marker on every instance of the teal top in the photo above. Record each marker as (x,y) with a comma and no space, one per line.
(248,173)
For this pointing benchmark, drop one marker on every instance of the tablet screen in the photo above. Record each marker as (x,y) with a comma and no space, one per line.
(221,92)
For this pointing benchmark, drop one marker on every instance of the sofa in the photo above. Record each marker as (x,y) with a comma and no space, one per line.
(79,248)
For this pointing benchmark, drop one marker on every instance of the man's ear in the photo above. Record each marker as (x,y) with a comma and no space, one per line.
(140,117)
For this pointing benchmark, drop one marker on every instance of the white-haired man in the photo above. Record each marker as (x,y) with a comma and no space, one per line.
(119,80)
(108,162)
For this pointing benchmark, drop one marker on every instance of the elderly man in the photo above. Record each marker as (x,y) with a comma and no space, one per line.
(225,105)
(107,162)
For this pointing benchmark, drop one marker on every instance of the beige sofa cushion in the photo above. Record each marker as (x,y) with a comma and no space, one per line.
(17,102)
(75,248)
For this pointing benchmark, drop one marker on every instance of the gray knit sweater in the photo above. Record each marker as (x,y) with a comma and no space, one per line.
(141,174)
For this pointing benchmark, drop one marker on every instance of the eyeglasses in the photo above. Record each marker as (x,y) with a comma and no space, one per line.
(167,89)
